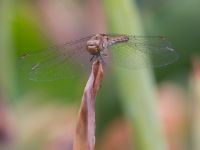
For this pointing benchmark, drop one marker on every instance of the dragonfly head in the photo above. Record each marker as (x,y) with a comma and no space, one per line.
(95,44)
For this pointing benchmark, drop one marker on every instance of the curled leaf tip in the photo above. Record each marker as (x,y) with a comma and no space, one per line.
(85,128)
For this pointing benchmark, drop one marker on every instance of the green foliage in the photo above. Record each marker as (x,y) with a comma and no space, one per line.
(135,87)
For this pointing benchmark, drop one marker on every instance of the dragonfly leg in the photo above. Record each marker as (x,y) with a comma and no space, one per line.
(104,54)
(101,58)
(91,59)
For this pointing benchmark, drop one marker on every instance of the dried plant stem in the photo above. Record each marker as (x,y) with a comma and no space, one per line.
(85,128)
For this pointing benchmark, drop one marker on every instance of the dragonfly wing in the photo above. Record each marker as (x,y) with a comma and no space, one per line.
(57,62)
(143,51)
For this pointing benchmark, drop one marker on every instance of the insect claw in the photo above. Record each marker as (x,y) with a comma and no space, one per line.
(101,59)
(92,58)
(104,54)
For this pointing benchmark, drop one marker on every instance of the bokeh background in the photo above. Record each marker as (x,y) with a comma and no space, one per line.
(149,109)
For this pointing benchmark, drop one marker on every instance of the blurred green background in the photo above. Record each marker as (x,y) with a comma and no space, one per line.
(149,109)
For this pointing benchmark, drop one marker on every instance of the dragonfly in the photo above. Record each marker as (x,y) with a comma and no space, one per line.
(127,51)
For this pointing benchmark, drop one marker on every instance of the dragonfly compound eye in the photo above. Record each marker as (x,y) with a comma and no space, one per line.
(93,46)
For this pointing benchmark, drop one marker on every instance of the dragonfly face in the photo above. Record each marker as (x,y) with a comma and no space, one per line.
(96,44)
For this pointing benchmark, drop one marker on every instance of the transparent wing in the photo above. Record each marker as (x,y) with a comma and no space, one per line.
(143,51)
(56,62)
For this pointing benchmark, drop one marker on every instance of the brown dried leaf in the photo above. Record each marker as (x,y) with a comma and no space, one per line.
(85,129)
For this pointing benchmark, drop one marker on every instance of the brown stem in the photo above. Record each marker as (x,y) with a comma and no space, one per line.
(85,129)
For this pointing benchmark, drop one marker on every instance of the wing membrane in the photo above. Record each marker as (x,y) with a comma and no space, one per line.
(143,51)
(56,62)
(63,61)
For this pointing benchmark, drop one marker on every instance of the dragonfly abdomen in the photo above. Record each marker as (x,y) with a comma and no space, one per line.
(117,39)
